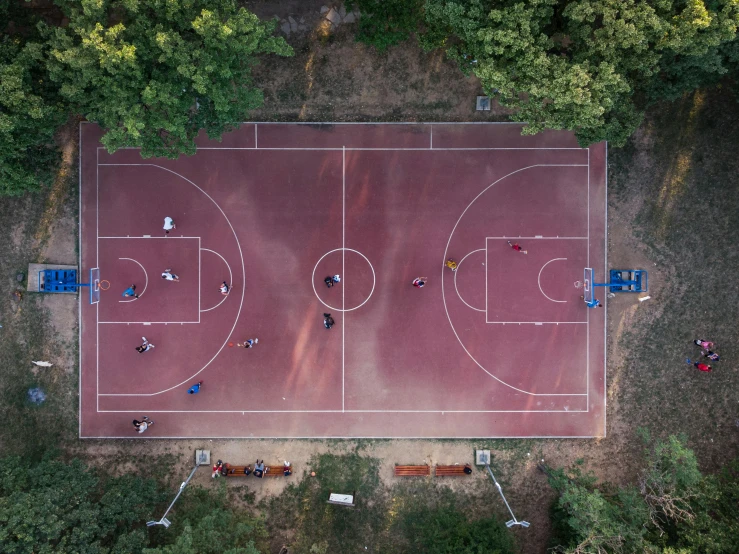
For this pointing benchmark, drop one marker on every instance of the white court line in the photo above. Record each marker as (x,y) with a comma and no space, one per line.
(605,308)
(337,411)
(537,322)
(146,283)
(230,279)
(343,274)
(256,137)
(243,272)
(389,149)
(540,237)
(335,437)
(149,237)
(146,322)
(539,279)
(455,280)
(443,294)
(79,304)
(587,311)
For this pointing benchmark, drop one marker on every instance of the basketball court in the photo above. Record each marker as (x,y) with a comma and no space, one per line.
(503,347)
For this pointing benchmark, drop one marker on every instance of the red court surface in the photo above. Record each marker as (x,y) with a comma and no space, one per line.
(504,347)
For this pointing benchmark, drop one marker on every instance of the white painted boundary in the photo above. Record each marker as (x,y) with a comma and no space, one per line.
(344,151)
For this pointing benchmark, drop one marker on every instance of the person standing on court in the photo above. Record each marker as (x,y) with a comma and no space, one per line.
(195,388)
(169,225)
(328,321)
(169,276)
(517,248)
(145,346)
(130,291)
(419,282)
(248,343)
(451,264)
(224,288)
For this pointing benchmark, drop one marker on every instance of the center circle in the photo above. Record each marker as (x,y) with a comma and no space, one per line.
(336,261)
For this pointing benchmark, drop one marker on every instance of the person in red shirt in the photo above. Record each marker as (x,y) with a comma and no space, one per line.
(702,367)
(517,248)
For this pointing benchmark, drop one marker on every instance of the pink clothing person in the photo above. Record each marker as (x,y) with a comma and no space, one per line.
(704,344)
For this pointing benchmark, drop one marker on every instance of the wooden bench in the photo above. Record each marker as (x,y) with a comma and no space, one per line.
(412,471)
(274,471)
(270,471)
(237,471)
(452,471)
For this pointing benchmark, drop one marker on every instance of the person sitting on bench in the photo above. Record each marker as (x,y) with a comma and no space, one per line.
(259,469)
(286,469)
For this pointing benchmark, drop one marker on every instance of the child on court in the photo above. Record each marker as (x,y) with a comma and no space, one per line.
(248,343)
(224,288)
(451,264)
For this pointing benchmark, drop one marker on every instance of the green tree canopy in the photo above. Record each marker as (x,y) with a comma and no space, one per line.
(590,66)
(153,73)
(30,112)
(55,507)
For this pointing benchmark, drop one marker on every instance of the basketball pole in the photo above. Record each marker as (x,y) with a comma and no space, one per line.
(513,521)
(164,521)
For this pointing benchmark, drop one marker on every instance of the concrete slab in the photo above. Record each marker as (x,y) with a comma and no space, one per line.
(33,271)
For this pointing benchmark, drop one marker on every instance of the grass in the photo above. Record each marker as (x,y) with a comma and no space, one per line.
(681,172)
(389,520)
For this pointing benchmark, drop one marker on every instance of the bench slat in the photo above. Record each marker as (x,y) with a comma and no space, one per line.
(451,471)
(412,471)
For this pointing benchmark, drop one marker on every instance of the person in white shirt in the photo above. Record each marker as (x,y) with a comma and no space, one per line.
(169,225)
(169,276)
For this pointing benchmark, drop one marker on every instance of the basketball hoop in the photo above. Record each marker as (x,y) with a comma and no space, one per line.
(578,284)
(103,285)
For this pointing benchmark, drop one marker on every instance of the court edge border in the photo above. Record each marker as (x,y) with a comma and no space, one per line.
(605,326)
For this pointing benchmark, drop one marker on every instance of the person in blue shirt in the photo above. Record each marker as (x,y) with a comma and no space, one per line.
(130,291)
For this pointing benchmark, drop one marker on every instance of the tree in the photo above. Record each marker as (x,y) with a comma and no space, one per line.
(441,528)
(30,112)
(669,482)
(591,520)
(715,528)
(204,522)
(154,73)
(57,507)
(589,66)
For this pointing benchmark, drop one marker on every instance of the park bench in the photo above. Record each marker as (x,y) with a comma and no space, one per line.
(238,471)
(412,471)
(451,471)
